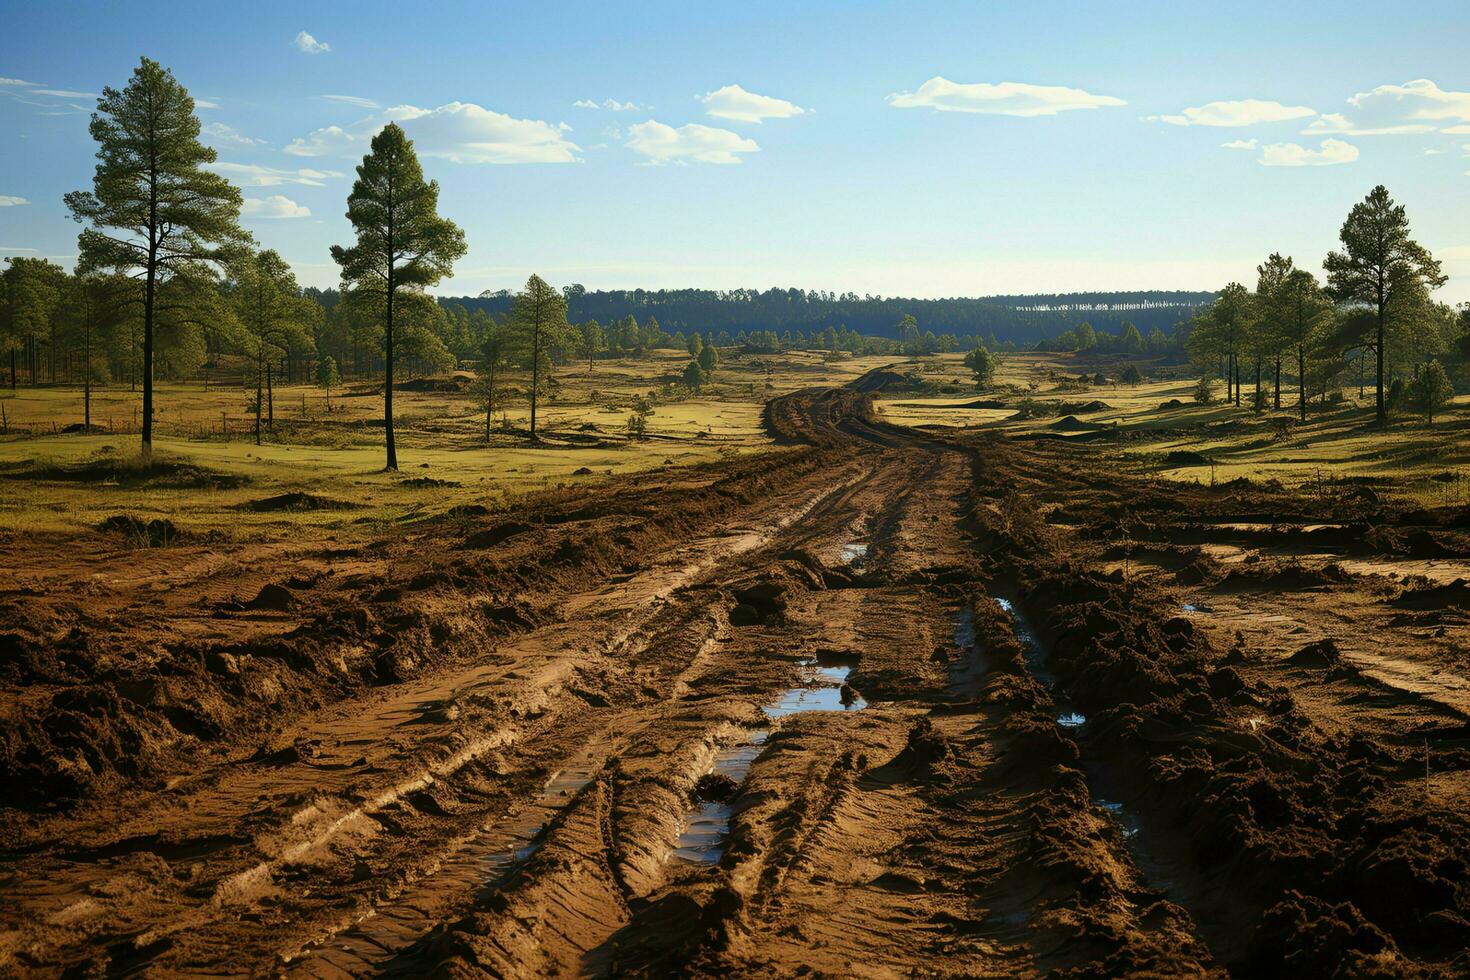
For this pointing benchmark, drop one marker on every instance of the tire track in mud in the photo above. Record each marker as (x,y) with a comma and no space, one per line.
(963,820)
(850,833)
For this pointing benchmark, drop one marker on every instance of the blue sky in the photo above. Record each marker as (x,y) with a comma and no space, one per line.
(871,147)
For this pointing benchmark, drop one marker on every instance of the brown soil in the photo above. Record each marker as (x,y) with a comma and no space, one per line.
(1053,732)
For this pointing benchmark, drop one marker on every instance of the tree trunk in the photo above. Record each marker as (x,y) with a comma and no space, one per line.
(270,401)
(87,380)
(392,463)
(1381,412)
(1277,397)
(259,397)
(1301,376)
(148,359)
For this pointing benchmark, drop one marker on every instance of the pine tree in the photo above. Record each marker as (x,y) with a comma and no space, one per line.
(402,243)
(538,321)
(327,377)
(153,208)
(1379,266)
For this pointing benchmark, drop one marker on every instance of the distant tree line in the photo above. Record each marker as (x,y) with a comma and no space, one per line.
(1022,320)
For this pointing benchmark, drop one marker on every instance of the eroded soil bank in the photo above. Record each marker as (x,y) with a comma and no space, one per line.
(878,704)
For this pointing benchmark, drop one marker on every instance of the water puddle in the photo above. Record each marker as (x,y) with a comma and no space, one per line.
(707,825)
(1196,607)
(1071,719)
(854,553)
(1126,821)
(705,830)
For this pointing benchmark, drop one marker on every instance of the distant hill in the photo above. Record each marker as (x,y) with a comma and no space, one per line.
(1023,319)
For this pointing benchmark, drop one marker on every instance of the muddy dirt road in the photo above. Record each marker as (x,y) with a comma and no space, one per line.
(877,704)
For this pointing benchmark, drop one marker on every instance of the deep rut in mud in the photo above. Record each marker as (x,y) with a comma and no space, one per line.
(904,711)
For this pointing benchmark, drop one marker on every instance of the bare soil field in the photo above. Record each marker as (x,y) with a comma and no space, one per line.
(882,700)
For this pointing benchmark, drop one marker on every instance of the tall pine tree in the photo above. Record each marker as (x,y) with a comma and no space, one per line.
(402,243)
(153,210)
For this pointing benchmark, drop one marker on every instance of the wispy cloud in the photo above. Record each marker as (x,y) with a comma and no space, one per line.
(660,143)
(254,175)
(1002,99)
(275,206)
(218,132)
(351,100)
(18,83)
(734,102)
(9,201)
(1235,112)
(62,93)
(307,44)
(1249,144)
(1337,124)
(612,105)
(461,132)
(1332,152)
(205,103)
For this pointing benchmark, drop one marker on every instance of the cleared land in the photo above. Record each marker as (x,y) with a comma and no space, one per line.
(889,698)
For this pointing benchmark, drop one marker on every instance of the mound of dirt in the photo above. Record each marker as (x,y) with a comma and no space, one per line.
(1429,596)
(157,533)
(1171,403)
(1320,655)
(453,385)
(759,604)
(878,379)
(1071,423)
(582,471)
(1087,408)
(1289,576)
(424,482)
(82,427)
(108,467)
(1185,457)
(495,535)
(276,598)
(294,500)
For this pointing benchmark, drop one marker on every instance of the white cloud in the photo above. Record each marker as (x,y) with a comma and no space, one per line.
(660,143)
(461,132)
(205,104)
(352,100)
(220,133)
(275,206)
(612,105)
(8,201)
(63,93)
(307,44)
(254,175)
(1004,99)
(1337,123)
(1424,99)
(1294,155)
(18,82)
(1249,144)
(1433,153)
(734,102)
(1236,112)
(1457,130)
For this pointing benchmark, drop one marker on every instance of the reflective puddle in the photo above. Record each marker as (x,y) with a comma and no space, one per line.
(707,825)
(853,553)
(1071,719)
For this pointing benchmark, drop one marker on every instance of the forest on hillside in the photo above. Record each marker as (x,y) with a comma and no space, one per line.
(1019,319)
